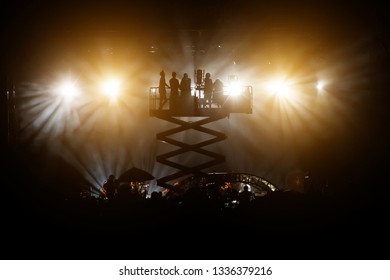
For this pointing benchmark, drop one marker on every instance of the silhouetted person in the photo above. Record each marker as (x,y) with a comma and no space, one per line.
(218,92)
(208,89)
(244,198)
(231,197)
(162,88)
(185,85)
(110,187)
(174,85)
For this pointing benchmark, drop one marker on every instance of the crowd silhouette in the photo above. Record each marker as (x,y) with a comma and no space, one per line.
(55,219)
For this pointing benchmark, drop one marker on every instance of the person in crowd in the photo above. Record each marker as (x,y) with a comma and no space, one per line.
(162,89)
(218,92)
(110,187)
(185,85)
(245,198)
(208,90)
(174,85)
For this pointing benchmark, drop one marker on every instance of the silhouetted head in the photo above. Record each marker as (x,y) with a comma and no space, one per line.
(174,74)
(218,83)
(185,75)
(162,73)
(208,75)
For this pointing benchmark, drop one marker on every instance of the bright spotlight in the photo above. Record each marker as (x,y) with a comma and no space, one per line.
(112,88)
(233,89)
(68,90)
(279,88)
(154,90)
(320,86)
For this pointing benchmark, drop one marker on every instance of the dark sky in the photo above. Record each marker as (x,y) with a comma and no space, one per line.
(99,16)
(32,24)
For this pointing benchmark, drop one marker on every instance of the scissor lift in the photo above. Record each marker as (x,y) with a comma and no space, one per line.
(193,107)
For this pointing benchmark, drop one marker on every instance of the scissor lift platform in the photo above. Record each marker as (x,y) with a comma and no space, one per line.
(194,106)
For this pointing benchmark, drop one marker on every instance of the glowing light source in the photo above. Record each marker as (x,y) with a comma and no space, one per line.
(68,90)
(320,86)
(112,87)
(234,89)
(280,88)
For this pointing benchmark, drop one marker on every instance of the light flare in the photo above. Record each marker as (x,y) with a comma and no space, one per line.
(112,87)
(68,90)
